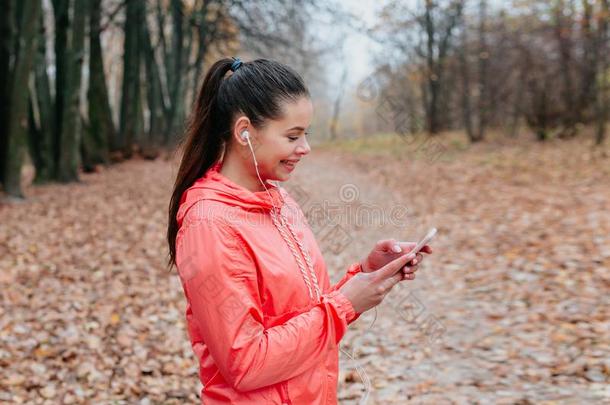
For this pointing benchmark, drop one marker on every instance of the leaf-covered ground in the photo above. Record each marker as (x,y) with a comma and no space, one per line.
(512,307)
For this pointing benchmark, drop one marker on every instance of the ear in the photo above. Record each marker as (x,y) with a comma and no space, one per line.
(241,124)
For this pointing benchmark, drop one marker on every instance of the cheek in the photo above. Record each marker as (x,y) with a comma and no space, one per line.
(267,157)
(279,151)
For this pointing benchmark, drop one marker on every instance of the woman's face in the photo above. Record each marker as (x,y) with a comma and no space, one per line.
(282,143)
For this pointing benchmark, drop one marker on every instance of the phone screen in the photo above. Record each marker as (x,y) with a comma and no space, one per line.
(424,241)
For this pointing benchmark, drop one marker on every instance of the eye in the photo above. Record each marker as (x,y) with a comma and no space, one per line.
(295,137)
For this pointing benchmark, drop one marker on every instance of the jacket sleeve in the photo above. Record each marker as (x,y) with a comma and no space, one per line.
(220,282)
(352,270)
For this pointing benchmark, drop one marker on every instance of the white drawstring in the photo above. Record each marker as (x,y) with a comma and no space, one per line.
(303,251)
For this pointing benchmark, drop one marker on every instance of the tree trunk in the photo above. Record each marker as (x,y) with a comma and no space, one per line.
(438,44)
(563,31)
(517,108)
(483,102)
(202,40)
(34,135)
(588,66)
(45,164)
(465,75)
(432,77)
(603,98)
(100,132)
(131,79)
(71,119)
(6,44)
(62,24)
(154,97)
(18,115)
(334,121)
(175,65)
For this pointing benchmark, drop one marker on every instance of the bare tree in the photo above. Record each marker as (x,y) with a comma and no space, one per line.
(603,96)
(100,129)
(24,45)
(438,26)
(334,121)
(475,129)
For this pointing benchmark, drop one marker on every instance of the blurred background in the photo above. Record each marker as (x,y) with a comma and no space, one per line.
(486,119)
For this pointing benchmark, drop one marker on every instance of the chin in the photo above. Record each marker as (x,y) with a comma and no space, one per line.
(283,177)
(277,176)
(282,174)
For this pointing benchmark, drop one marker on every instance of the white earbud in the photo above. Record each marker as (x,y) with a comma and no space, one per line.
(245,135)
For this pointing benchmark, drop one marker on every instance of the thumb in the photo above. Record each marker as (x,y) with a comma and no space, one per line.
(391,268)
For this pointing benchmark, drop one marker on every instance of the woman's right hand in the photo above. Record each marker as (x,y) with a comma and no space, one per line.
(367,290)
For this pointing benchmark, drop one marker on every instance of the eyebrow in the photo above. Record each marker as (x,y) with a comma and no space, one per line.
(297,127)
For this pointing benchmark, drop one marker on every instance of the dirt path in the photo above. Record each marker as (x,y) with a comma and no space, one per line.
(491,318)
(486,320)
(392,353)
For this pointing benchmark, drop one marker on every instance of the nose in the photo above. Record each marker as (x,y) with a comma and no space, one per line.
(303,148)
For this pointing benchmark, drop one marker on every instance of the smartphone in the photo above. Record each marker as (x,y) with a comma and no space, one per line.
(424,241)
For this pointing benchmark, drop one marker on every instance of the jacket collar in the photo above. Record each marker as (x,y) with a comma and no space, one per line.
(213,185)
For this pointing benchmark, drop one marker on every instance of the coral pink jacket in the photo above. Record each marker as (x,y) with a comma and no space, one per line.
(259,337)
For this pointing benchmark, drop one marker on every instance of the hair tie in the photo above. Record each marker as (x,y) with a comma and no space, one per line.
(236,64)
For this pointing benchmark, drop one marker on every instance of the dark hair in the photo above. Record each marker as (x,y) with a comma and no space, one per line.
(257,90)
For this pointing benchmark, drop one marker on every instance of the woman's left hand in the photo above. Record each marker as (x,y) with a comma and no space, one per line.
(384,252)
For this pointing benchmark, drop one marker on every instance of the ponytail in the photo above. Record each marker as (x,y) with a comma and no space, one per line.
(201,149)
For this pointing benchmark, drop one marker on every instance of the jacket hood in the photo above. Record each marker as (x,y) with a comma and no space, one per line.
(213,185)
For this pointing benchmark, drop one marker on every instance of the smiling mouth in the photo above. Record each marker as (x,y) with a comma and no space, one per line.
(290,164)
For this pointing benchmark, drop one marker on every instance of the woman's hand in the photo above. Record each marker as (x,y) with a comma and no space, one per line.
(367,290)
(389,249)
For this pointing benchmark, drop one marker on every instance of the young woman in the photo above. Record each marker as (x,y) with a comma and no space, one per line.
(263,318)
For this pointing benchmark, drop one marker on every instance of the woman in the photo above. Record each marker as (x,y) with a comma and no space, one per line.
(263,319)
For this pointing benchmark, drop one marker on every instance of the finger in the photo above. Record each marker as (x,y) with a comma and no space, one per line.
(386,245)
(407,246)
(426,249)
(408,276)
(408,270)
(418,258)
(394,266)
